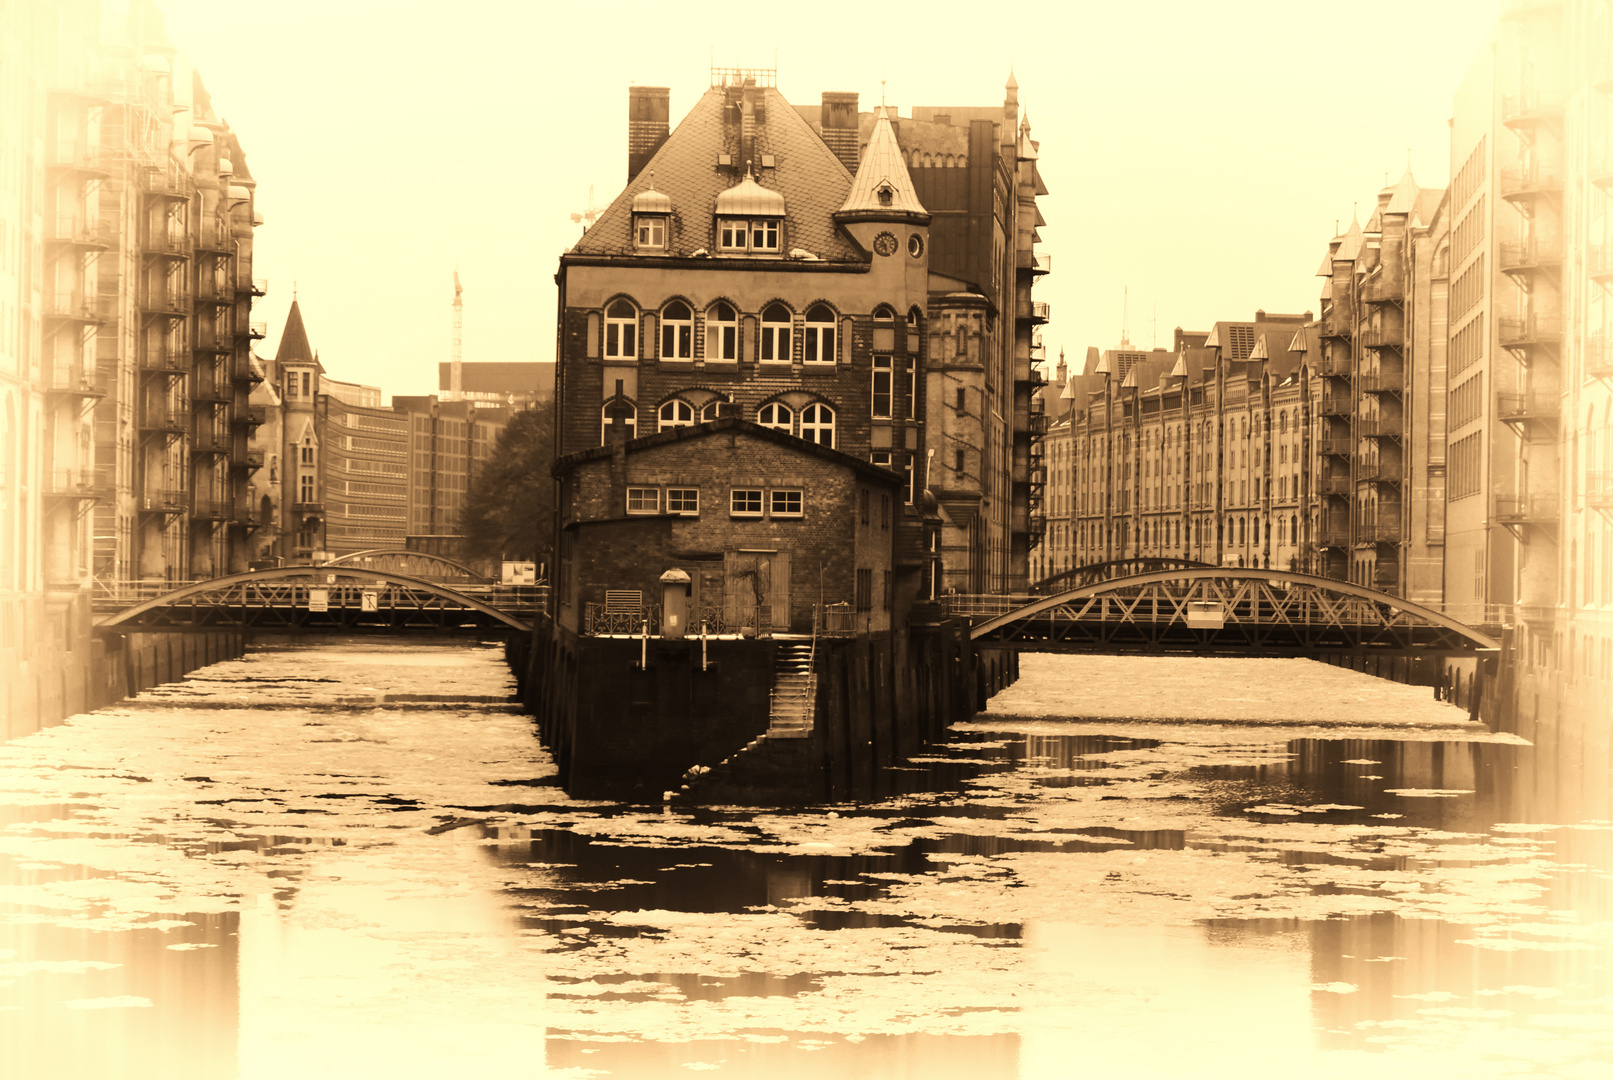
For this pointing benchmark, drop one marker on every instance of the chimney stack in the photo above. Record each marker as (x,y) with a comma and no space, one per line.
(839,123)
(649,110)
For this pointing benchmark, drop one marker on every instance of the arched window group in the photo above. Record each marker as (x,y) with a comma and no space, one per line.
(677,331)
(775,334)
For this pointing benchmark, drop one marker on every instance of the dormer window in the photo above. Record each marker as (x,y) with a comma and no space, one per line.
(753,234)
(651,209)
(650,231)
(886,194)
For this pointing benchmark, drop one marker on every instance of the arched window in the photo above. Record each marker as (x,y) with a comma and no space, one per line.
(777,416)
(710,410)
(913,317)
(818,424)
(819,344)
(677,332)
(621,330)
(676,413)
(884,313)
(608,412)
(722,333)
(776,334)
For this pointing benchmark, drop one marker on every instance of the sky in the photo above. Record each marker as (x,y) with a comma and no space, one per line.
(1198,156)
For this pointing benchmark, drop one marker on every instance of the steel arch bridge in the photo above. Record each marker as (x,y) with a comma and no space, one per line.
(417,564)
(1090,574)
(337,598)
(1219,611)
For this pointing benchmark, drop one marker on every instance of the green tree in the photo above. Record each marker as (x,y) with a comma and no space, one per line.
(509,508)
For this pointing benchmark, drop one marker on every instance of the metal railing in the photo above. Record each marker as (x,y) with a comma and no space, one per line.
(1528,181)
(1529,405)
(74,483)
(605,620)
(1382,382)
(78,231)
(1384,337)
(1526,509)
(1382,427)
(162,417)
(168,500)
(1380,470)
(1337,367)
(208,441)
(1530,330)
(1529,254)
(1528,106)
(72,379)
(1333,405)
(1335,447)
(173,360)
(1378,532)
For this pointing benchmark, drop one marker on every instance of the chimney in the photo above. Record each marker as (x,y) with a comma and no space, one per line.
(839,122)
(649,111)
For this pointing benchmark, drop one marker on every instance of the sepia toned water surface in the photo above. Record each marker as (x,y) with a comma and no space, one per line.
(350,860)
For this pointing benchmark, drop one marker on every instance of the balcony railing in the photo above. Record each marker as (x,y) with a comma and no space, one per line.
(1530,405)
(1333,534)
(208,506)
(73,483)
(1337,367)
(1529,108)
(257,331)
(1034,310)
(164,501)
(256,286)
(170,360)
(1335,447)
(1531,330)
(1383,427)
(166,182)
(1378,532)
(1333,405)
(78,232)
(1379,471)
(242,371)
(1526,509)
(1382,382)
(208,440)
(1598,356)
(88,159)
(163,302)
(163,418)
(1333,484)
(73,381)
(1527,183)
(205,388)
(74,307)
(1530,255)
(1383,337)
(251,416)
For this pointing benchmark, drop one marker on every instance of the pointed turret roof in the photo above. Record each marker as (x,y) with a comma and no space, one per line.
(1403,200)
(1350,249)
(294,347)
(882,190)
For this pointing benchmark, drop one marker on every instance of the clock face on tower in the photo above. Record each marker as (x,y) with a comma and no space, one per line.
(885,244)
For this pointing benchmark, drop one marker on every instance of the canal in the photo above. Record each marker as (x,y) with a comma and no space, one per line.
(350,860)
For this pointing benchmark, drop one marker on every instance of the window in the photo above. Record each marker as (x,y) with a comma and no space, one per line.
(621,330)
(882,458)
(738,234)
(958,460)
(820,336)
(722,333)
(776,334)
(776,416)
(884,313)
(764,234)
(731,234)
(907,468)
(865,590)
(629,415)
(291,384)
(651,231)
(745,502)
(912,390)
(818,424)
(913,318)
(677,332)
(643,500)
(683,501)
(962,400)
(305,488)
(306,390)
(307,454)
(676,413)
(784,502)
(882,388)
(884,511)
(711,409)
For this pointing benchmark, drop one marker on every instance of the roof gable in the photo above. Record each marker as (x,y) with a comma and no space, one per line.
(805,172)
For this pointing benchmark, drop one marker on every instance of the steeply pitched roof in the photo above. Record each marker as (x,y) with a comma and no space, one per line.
(294,347)
(1404,199)
(805,172)
(1350,248)
(882,186)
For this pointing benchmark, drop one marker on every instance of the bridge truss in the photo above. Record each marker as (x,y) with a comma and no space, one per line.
(416,564)
(331,598)
(1092,573)
(1216,611)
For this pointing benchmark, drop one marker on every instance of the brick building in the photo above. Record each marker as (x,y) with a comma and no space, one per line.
(756,262)
(767,526)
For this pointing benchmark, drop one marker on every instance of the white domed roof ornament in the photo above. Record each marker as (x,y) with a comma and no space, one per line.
(750,199)
(650,201)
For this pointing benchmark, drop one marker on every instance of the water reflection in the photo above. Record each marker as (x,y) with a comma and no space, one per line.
(296,865)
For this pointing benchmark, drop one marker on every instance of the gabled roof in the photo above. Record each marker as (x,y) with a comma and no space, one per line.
(1234,339)
(808,176)
(294,347)
(882,187)
(866,469)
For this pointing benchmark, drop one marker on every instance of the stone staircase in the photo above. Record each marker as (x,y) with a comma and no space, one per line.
(795,692)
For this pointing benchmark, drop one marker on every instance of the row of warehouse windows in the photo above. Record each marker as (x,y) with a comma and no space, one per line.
(814,423)
(743,502)
(677,334)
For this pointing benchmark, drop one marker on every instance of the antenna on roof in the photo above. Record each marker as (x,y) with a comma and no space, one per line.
(1125,319)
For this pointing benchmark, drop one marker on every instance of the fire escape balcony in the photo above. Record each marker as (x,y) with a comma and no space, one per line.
(1531,257)
(1335,447)
(1378,532)
(78,163)
(207,390)
(1334,405)
(1524,186)
(166,304)
(76,484)
(1599,490)
(1599,356)
(164,360)
(166,182)
(1521,410)
(216,240)
(1520,512)
(252,286)
(1037,262)
(1382,427)
(210,290)
(211,441)
(1334,367)
(249,461)
(1527,111)
(1337,484)
(1385,288)
(1382,382)
(1035,311)
(71,308)
(1333,534)
(241,369)
(1599,264)
(163,419)
(165,501)
(1384,337)
(206,506)
(212,345)
(256,331)
(72,383)
(168,244)
(250,417)
(82,235)
(1530,331)
(1379,470)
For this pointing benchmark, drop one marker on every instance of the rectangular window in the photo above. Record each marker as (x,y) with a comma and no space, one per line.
(291,384)
(882,458)
(882,388)
(683,500)
(306,392)
(732,236)
(307,455)
(745,502)
(305,488)
(907,468)
(727,341)
(962,399)
(764,235)
(912,390)
(784,502)
(862,499)
(643,500)
(865,590)
(959,459)
(651,232)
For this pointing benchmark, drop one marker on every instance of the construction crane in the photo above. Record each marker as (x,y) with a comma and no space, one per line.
(455,369)
(590,215)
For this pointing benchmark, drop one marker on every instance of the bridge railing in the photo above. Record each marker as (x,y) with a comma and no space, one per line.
(984,605)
